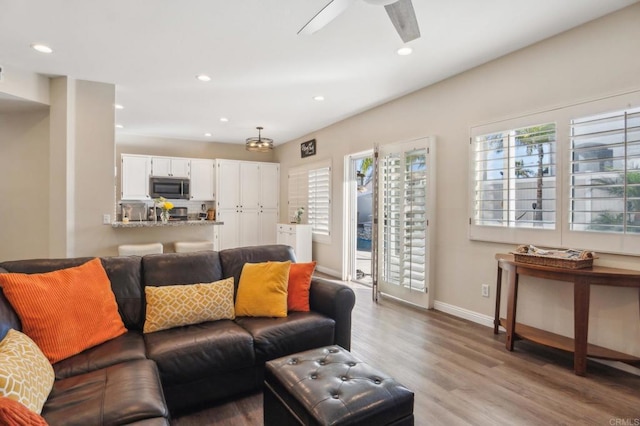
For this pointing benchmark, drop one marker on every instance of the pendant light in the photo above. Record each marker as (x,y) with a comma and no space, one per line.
(259,144)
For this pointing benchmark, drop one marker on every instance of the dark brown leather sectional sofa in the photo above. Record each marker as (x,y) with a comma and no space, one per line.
(141,378)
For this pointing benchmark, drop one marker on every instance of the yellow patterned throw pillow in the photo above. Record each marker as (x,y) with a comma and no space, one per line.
(262,290)
(177,305)
(25,373)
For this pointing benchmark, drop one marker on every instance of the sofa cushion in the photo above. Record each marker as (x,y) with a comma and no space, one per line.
(128,347)
(233,260)
(14,413)
(184,354)
(177,305)
(276,337)
(298,287)
(181,268)
(119,394)
(65,311)
(125,274)
(25,373)
(262,291)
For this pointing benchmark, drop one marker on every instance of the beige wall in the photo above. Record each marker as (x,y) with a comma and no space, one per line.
(589,62)
(24,163)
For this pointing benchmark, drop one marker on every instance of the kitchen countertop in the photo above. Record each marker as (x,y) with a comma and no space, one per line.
(152,224)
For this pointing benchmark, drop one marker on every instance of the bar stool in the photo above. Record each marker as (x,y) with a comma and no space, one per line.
(188,246)
(139,249)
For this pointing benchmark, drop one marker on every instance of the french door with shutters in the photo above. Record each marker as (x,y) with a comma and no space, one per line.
(405,216)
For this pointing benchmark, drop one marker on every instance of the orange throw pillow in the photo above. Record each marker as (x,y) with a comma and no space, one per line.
(14,413)
(299,284)
(65,311)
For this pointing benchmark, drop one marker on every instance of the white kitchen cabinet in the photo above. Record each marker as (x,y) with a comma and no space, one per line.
(269,186)
(170,167)
(134,175)
(229,236)
(202,180)
(242,192)
(227,184)
(297,236)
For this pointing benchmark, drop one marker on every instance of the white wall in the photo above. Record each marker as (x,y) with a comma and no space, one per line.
(589,62)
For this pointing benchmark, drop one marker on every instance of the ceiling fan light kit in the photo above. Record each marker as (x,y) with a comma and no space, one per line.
(401,13)
(259,144)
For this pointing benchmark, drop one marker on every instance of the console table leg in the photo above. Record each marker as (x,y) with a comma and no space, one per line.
(512,302)
(581,295)
(496,317)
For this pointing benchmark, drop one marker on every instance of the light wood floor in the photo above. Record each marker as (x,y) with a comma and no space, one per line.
(462,375)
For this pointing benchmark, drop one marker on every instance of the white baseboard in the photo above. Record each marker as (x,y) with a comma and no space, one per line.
(487,320)
(456,311)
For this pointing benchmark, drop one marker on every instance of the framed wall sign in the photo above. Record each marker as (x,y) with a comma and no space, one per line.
(308,148)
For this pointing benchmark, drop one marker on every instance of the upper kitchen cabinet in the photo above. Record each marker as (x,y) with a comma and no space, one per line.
(170,167)
(269,185)
(228,184)
(134,174)
(202,180)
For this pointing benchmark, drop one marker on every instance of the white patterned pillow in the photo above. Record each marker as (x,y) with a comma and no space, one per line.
(176,305)
(25,373)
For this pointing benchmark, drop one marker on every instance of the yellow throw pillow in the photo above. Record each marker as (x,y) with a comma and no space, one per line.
(177,305)
(25,373)
(262,291)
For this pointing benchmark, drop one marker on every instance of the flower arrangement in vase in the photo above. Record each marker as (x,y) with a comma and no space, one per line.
(298,216)
(165,206)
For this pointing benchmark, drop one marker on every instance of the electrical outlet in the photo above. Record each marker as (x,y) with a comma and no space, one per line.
(485,290)
(106,219)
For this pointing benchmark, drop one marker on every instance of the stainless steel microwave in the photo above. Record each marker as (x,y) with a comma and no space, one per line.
(170,188)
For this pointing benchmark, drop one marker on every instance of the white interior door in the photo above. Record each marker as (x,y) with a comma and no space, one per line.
(405,217)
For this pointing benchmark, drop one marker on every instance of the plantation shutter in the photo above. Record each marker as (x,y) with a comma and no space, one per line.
(320,200)
(605,173)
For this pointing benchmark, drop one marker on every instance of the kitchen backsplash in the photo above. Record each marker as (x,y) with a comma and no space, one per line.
(193,208)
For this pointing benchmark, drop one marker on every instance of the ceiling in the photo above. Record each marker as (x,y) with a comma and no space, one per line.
(262,73)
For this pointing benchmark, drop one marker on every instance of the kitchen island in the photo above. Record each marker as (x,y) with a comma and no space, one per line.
(145,232)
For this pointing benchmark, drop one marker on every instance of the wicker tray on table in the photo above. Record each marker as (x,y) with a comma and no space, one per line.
(568,259)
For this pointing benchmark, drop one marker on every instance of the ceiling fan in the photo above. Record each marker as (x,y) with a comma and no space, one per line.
(400,12)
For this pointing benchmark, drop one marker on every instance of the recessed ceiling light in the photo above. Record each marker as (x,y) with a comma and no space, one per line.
(404,51)
(119,126)
(207,134)
(224,119)
(118,106)
(203,77)
(318,98)
(42,48)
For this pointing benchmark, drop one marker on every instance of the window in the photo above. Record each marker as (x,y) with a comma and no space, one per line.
(515,179)
(605,173)
(310,187)
(581,192)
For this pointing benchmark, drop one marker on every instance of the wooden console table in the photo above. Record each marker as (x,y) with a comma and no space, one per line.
(582,280)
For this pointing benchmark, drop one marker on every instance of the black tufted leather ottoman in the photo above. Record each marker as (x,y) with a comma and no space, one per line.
(328,386)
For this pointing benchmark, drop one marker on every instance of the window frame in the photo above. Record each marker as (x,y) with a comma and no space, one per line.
(562,236)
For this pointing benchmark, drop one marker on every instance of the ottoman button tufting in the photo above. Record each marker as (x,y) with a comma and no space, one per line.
(302,396)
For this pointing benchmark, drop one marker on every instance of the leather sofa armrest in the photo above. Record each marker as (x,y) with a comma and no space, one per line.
(335,301)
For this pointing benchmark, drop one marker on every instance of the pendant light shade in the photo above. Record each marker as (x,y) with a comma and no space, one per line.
(259,144)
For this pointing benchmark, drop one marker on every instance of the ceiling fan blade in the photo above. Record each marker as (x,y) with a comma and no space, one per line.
(326,15)
(404,19)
